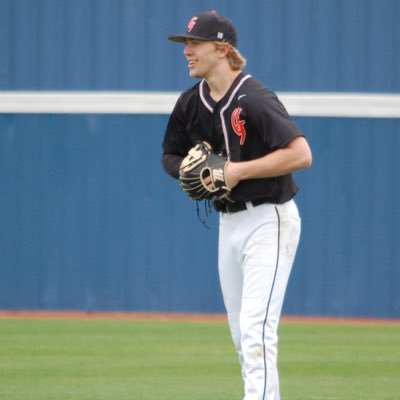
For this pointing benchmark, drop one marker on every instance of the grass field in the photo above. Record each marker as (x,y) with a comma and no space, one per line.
(151,360)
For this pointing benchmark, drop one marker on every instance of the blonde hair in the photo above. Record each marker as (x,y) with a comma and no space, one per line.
(235,59)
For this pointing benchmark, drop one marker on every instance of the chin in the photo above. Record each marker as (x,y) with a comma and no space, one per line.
(194,74)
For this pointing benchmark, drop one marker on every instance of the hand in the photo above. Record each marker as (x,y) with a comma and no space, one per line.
(208,182)
(231,170)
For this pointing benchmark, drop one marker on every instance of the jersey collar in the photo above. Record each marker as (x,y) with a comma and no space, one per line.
(208,101)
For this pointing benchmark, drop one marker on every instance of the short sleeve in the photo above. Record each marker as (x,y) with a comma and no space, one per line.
(269,118)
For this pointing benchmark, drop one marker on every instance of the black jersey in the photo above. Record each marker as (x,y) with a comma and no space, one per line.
(247,123)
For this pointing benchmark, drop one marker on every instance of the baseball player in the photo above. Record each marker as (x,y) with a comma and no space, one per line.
(259,224)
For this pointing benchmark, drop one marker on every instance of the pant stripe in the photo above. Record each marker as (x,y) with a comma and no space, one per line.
(267,310)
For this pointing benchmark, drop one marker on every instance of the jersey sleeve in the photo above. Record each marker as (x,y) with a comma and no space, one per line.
(271,120)
(175,144)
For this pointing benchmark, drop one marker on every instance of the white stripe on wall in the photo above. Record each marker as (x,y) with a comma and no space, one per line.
(362,105)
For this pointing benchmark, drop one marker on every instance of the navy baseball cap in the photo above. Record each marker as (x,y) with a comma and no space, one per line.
(208,26)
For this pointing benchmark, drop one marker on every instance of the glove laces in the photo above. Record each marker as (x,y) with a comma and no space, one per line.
(207,210)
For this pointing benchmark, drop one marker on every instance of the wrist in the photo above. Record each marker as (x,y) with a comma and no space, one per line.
(232,171)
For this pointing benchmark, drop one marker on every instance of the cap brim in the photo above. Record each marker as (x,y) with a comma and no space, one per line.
(182,38)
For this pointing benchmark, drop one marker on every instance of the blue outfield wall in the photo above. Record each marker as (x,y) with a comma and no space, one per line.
(90,221)
(293,45)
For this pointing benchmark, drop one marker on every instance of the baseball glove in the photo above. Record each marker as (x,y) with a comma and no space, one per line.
(198,165)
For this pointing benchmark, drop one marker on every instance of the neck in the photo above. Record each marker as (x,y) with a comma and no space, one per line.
(219,84)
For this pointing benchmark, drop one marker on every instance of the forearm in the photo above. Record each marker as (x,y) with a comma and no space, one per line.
(281,162)
(296,156)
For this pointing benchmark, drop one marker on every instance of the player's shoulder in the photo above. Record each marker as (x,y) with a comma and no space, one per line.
(256,88)
(186,100)
(190,93)
(257,99)
(254,92)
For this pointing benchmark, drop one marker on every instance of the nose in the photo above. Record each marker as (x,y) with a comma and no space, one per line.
(188,48)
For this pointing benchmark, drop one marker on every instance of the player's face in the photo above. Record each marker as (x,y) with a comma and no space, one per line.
(202,57)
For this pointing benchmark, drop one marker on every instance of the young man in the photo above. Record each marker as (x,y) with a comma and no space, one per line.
(259,231)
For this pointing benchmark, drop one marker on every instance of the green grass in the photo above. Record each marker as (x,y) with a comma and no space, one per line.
(121,360)
(340,362)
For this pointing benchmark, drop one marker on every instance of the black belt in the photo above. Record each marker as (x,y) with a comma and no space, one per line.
(232,208)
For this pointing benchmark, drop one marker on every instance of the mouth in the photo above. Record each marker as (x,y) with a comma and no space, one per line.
(191,64)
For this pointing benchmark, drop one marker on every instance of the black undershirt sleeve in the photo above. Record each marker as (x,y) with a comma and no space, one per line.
(171,163)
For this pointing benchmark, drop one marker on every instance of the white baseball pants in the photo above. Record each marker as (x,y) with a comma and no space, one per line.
(257,248)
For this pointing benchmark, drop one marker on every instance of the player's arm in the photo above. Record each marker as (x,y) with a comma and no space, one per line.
(295,156)
(171,163)
(175,143)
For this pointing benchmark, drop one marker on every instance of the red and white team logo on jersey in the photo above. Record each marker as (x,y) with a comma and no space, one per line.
(238,125)
(191,24)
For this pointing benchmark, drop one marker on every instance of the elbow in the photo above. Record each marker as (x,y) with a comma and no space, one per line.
(301,153)
(302,163)
(307,160)
(303,160)
(171,163)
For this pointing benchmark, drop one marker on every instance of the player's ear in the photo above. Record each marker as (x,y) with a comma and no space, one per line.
(223,48)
